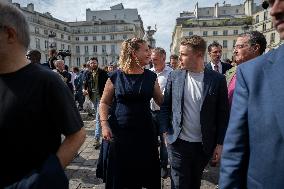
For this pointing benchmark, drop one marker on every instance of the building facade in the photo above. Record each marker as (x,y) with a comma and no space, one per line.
(100,35)
(262,22)
(223,24)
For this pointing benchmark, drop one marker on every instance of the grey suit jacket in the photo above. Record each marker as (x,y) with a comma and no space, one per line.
(253,153)
(214,112)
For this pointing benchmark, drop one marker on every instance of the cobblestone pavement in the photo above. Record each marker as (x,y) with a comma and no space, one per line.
(81,171)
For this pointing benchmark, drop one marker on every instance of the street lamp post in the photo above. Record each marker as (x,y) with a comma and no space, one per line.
(149,36)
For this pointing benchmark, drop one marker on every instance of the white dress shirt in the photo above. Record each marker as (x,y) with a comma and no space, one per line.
(162,80)
(219,66)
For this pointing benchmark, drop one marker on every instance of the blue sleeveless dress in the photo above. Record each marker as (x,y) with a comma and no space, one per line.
(133,160)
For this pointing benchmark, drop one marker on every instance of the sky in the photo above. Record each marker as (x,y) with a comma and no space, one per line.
(162,13)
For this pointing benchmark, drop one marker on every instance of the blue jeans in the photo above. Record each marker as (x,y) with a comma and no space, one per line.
(98,129)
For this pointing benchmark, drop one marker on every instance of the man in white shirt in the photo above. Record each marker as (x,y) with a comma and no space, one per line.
(215,54)
(158,57)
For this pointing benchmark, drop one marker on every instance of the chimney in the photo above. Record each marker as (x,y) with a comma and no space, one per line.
(17,5)
(196,10)
(216,10)
(30,7)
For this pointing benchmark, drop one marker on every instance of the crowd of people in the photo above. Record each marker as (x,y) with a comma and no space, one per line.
(178,116)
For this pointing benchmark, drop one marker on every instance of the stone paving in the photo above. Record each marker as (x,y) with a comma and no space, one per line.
(82,174)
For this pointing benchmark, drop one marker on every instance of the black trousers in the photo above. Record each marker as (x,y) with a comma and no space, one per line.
(163,148)
(188,161)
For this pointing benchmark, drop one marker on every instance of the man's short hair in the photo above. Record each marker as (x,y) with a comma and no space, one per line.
(76,69)
(94,58)
(34,53)
(255,37)
(174,56)
(196,42)
(159,50)
(13,17)
(53,51)
(214,44)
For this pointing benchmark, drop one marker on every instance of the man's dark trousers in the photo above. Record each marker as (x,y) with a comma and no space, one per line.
(188,161)
(163,148)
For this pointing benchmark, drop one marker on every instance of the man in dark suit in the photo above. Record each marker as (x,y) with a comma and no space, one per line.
(215,53)
(253,152)
(194,115)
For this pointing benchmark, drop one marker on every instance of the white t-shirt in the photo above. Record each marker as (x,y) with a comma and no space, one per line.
(191,127)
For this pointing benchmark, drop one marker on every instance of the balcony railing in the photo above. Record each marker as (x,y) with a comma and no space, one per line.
(89,31)
(78,30)
(50,25)
(217,22)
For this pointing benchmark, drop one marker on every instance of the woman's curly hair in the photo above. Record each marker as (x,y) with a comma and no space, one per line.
(128,46)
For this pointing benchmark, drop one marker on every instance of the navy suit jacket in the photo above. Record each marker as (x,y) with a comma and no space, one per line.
(253,151)
(225,67)
(214,113)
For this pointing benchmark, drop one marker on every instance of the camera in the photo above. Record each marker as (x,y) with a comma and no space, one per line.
(63,53)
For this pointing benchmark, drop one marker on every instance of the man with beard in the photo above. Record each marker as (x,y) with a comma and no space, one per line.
(94,84)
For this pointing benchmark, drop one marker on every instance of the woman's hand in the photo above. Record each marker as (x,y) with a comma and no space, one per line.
(106,132)
(85,92)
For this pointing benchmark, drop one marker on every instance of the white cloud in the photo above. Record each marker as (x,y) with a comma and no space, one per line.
(160,12)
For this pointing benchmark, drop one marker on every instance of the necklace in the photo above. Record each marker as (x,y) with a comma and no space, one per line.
(137,62)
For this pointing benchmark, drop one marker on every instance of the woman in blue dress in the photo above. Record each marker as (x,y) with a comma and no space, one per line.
(133,160)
